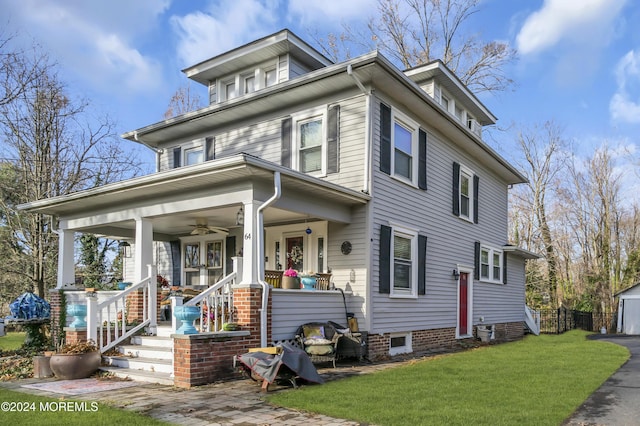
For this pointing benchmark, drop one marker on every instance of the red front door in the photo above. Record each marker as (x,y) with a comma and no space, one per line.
(463,303)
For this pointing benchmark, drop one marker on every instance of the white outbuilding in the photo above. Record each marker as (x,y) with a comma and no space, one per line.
(629,310)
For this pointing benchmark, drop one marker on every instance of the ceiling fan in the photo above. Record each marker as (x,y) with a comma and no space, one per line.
(202,228)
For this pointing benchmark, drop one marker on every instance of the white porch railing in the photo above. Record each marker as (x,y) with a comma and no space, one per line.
(216,304)
(107,321)
(532,319)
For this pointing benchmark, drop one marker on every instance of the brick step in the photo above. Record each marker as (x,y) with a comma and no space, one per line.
(140,363)
(140,375)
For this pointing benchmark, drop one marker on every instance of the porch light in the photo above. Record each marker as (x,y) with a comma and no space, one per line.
(456,274)
(240,217)
(125,249)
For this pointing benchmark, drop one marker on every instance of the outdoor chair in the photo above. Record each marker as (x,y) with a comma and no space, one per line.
(320,341)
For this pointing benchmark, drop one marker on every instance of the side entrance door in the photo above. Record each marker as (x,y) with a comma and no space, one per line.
(463,305)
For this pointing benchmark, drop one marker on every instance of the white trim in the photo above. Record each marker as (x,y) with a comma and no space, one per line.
(412,126)
(411,234)
(491,250)
(469,271)
(464,170)
(319,113)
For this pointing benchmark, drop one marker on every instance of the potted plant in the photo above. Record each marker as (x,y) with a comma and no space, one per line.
(76,361)
(290,279)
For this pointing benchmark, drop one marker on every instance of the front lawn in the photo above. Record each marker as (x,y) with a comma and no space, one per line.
(24,409)
(11,341)
(539,380)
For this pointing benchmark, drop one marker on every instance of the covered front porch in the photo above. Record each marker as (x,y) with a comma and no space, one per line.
(216,227)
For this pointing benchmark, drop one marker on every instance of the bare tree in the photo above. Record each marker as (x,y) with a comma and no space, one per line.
(51,146)
(184,100)
(414,32)
(541,148)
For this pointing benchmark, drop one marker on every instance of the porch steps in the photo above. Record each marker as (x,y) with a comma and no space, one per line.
(145,359)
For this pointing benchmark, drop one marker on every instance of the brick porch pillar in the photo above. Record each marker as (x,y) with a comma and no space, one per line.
(247,302)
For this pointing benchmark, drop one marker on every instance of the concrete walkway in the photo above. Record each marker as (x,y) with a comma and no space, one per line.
(617,401)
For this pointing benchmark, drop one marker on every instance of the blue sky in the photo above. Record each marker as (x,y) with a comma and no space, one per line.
(579,60)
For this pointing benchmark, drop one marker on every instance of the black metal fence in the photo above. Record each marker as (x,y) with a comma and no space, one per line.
(557,321)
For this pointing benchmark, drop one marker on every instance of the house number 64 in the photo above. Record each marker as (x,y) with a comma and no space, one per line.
(247,236)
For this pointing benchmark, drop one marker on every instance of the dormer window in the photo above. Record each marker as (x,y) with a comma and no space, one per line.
(229,89)
(193,156)
(270,77)
(249,83)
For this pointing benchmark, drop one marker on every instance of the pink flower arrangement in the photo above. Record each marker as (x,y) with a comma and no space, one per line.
(290,273)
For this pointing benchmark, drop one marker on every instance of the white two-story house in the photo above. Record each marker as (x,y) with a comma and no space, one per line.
(376,176)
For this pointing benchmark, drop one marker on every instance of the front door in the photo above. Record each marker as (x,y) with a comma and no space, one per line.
(295,253)
(463,305)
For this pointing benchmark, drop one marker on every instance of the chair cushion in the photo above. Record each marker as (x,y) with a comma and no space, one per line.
(313,332)
(316,342)
(319,349)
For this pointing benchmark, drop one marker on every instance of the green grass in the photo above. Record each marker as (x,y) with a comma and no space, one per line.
(42,411)
(11,341)
(540,380)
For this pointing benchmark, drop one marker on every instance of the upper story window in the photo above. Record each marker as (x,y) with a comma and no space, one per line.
(310,144)
(193,155)
(245,82)
(465,193)
(310,141)
(490,261)
(249,83)
(402,261)
(403,148)
(229,89)
(444,101)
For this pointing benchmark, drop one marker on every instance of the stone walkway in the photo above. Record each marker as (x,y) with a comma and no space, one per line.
(237,403)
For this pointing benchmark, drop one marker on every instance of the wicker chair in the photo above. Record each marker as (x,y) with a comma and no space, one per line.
(320,341)
(274,278)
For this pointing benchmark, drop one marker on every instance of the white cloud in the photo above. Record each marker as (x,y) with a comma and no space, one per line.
(203,34)
(580,22)
(94,40)
(625,103)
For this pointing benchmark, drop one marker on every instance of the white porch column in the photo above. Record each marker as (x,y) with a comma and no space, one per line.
(249,245)
(66,265)
(143,248)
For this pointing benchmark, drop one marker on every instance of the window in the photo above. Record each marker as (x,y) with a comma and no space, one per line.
(193,156)
(400,343)
(270,77)
(230,90)
(445,102)
(310,134)
(402,261)
(490,264)
(403,148)
(458,112)
(403,144)
(249,84)
(465,193)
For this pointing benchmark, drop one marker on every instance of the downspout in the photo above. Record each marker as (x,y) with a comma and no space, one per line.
(260,257)
(158,151)
(366,185)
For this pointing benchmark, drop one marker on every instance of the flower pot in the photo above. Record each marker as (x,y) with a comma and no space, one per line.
(291,283)
(186,314)
(75,366)
(79,312)
(484,333)
(308,283)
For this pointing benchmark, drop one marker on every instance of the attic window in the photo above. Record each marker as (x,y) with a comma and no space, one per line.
(230,89)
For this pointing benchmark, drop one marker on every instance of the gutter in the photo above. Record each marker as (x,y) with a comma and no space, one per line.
(259,259)
(158,151)
(368,131)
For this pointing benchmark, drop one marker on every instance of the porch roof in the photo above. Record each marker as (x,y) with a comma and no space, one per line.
(237,168)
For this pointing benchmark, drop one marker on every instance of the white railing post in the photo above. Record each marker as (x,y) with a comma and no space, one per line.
(237,268)
(175,322)
(92,317)
(153,301)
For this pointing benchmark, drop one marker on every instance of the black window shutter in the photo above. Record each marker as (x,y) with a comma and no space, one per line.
(476,261)
(333,139)
(476,186)
(286,143)
(456,189)
(385,139)
(422,261)
(504,268)
(230,251)
(177,154)
(422,159)
(210,148)
(175,262)
(385,260)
